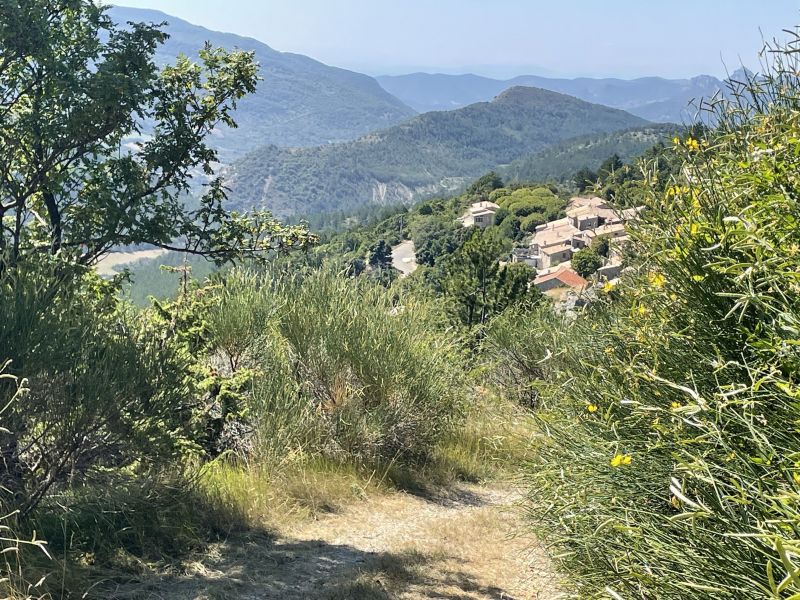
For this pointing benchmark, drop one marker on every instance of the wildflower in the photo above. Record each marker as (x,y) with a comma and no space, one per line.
(592,408)
(657,280)
(676,141)
(642,309)
(608,287)
(698,278)
(620,460)
(692,144)
(676,405)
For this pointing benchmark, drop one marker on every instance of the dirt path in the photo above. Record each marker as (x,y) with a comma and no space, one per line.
(457,545)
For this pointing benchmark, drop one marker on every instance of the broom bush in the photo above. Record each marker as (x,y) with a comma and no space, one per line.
(670,464)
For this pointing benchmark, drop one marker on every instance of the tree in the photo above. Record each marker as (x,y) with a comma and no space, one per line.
(380,255)
(99,150)
(485,184)
(601,245)
(478,286)
(585,178)
(609,166)
(586,261)
(100,146)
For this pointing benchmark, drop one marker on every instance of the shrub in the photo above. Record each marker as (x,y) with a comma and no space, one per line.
(102,392)
(670,467)
(341,370)
(586,262)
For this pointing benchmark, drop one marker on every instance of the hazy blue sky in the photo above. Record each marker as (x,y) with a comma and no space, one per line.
(504,37)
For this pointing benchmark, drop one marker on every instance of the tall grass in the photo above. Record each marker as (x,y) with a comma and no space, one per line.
(671,462)
(15,577)
(340,369)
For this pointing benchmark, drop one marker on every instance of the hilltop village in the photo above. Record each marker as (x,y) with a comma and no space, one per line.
(589,223)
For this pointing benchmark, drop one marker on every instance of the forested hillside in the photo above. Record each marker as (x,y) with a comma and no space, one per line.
(564,159)
(431,153)
(652,98)
(300,102)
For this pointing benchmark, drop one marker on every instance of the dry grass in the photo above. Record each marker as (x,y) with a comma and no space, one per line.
(336,533)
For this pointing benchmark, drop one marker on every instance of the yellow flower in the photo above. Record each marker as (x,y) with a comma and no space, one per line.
(657,280)
(609,350)
(676,140)
(698,278)
(592,408)
(620,460)
(676,405)
(692,144)
(642,309)
(608,287)
(694,229)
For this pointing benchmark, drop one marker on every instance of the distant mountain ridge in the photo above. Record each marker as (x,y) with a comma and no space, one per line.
(653,98)
(432,153)
(300,102)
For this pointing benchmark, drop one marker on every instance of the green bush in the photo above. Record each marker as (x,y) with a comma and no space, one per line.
(104,393)
(586,261)
(340,369)
(670,465)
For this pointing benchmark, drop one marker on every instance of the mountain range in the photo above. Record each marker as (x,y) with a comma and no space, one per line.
(435,152)
(652,98)
(300,102)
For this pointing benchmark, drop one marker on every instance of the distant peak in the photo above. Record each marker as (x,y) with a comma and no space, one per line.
(520,93)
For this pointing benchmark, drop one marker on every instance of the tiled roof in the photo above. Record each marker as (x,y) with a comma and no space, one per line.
(566,276)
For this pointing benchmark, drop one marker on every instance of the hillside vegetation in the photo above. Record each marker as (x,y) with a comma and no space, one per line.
(670,467)
(300,102)
(563,160)
(429,154)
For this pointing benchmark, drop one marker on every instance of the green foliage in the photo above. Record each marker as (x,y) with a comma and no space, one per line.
(162,278)
(104,391)
(527,201)
(562,161)
(75,88)
(586,261)
(669,467)
(341,370)
(601,245)
(584,178)
(380,255)
(485,185)
(478,287)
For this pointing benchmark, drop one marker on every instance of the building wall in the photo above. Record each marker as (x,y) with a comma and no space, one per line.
(483,221)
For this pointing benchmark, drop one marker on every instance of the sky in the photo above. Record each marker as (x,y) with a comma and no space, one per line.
(504,38)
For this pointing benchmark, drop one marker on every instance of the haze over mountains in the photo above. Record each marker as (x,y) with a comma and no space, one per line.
(652,98)
(432,153)
(301,102)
